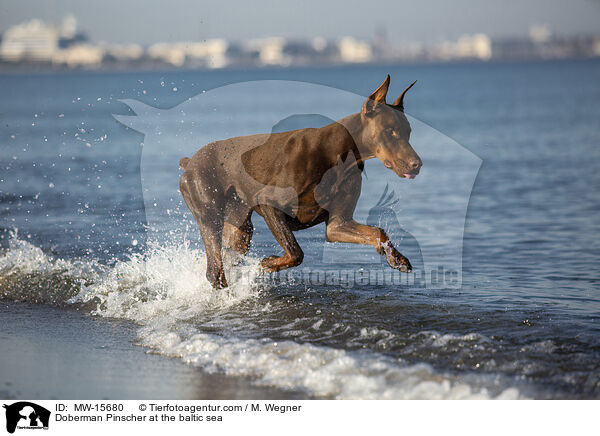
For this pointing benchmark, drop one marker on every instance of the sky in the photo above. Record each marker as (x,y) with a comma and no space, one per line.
(149,21)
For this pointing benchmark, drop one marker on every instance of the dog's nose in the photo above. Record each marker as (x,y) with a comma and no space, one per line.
(414,164)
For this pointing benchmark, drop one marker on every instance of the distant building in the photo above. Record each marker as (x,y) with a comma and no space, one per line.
(123,52)
(478,46)
(540,33)
(169,53)
(596,47)
(209,54)
(354,51)
(79,55)
(269,51)
(32,40)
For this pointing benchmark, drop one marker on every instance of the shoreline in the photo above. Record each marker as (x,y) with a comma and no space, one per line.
(61,353)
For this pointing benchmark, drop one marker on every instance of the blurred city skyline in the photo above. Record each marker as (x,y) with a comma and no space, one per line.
(148,22)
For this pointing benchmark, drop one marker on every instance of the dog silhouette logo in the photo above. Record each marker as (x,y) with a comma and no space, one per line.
(426,224)
(26,415)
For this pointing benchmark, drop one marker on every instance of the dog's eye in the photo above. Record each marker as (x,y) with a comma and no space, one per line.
(393,133)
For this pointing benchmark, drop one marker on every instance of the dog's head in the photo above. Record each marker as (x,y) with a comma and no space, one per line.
(386,132)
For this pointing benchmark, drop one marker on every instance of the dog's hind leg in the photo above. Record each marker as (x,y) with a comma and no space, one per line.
(276,220)
(238,228)
(207,204)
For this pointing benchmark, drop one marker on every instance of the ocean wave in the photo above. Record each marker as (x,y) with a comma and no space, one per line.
(28,274)
(322,372)
(165,292)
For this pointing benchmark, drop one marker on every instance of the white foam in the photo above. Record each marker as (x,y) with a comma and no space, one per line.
(167,283)
(319,371)
(26,258)
(436,339)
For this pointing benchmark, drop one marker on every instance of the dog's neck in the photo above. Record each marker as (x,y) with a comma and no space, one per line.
(353,124)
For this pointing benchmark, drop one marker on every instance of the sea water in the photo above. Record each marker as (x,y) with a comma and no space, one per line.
(523,322)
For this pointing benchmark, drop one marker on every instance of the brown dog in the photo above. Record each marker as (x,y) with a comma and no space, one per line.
(296,180)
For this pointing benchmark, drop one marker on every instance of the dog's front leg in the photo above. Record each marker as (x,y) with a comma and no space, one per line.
(344,230)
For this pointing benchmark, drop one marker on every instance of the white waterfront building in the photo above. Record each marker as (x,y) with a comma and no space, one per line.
(33,40)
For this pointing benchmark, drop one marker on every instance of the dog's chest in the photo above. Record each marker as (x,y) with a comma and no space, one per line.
(308,212)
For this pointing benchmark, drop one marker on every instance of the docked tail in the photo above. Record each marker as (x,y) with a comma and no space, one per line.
(183,162)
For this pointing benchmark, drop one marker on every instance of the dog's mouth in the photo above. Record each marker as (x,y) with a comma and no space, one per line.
(406,175)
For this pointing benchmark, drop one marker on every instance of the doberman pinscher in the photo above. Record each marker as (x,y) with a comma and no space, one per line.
(281,176)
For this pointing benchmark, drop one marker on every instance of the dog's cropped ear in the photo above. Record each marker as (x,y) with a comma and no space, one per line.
(378,97)
(399,103)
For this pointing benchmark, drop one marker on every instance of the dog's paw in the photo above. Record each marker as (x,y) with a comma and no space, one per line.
(216,278)
(269,264)
(399,262)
